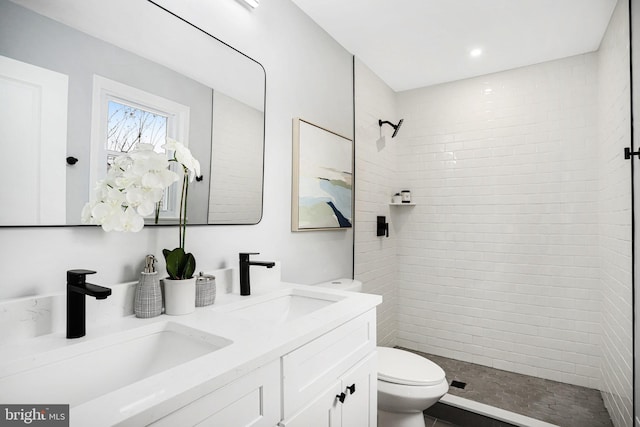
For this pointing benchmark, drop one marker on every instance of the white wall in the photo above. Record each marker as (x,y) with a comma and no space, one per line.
(615,218)
(375,257)
(309,75)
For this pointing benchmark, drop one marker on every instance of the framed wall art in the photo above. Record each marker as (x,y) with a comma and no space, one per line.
(322,185)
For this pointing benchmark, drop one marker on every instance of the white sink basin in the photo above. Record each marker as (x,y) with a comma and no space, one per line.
(285,308)
(84,371)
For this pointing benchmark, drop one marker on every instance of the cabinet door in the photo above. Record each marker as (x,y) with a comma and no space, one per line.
(252,400)
(324,411)
(360,408)
(313,367)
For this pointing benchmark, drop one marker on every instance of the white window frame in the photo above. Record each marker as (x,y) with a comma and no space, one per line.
(105,90)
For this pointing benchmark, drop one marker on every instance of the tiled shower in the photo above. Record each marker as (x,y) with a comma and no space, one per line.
(517,254)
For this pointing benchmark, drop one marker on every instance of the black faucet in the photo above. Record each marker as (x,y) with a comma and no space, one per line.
(245,263)
(77,288)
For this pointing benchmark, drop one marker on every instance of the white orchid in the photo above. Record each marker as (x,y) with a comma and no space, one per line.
(131,221)
(134,184)
(143,200)
(182,155)
(180,264)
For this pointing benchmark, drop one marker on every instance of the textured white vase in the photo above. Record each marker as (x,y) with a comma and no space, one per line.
(179,296)
(147,301)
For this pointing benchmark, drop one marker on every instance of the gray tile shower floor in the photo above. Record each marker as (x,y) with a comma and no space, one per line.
(551,401)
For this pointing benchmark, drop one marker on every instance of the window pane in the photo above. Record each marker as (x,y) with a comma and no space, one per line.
(127,126)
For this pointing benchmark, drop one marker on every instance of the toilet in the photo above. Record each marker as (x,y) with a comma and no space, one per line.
(407,383)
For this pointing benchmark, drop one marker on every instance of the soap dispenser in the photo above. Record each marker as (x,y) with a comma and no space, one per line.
(148,297)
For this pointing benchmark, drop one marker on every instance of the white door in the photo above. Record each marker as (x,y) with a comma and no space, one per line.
(33,139)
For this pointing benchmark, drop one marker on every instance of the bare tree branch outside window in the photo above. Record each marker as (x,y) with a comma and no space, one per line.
(128,126)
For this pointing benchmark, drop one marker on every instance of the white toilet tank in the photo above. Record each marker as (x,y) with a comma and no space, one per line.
(343,285)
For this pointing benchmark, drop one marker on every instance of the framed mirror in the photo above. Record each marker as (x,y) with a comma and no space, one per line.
(80,87)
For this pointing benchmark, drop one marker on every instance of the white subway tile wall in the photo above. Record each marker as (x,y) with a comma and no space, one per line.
(517,254)
(615,218)
(236,187)
(498,262)
(375,260)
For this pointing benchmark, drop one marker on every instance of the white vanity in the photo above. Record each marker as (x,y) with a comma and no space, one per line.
(289,355)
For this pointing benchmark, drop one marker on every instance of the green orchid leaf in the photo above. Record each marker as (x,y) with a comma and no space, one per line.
(189,266)
(174,259)
(180,266)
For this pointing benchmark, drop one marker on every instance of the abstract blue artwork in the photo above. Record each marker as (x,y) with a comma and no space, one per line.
(322,196)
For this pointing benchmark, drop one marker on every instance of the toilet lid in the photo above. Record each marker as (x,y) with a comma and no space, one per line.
(402,367)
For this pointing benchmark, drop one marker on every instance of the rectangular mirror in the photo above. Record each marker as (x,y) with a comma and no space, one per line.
(80,87)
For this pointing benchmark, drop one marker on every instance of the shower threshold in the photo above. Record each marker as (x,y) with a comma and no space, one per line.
(465,412)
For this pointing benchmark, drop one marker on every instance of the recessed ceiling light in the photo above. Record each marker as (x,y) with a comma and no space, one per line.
(475,52)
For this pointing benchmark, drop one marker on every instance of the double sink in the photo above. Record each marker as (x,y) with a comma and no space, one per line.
(83,371)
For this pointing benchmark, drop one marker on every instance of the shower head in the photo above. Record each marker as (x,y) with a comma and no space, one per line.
(396,128)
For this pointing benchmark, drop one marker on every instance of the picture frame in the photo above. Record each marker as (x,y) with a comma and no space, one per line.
(322,179)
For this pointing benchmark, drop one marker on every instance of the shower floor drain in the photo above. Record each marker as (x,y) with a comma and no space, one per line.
(458,384)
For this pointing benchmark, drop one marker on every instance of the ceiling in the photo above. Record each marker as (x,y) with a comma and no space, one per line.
(417,43)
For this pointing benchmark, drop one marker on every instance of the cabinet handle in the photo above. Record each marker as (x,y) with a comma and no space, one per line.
(352,389)
(341,397)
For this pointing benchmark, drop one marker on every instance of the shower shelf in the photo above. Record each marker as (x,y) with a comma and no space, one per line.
(402,204)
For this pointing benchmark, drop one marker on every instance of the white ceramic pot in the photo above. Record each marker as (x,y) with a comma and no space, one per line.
(179,296)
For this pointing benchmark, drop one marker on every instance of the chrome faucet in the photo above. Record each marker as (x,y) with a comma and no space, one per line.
(245,263)
(77,288)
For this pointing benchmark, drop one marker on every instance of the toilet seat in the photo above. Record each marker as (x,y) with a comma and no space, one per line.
(406,368)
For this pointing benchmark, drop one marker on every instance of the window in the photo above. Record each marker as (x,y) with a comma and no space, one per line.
(129,125)
(124,116)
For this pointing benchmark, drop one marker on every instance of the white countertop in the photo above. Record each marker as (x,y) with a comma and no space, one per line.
(254,345)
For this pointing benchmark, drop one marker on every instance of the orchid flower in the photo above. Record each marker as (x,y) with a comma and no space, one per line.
(132,189)
(180,264)
(133,186)
(182,155)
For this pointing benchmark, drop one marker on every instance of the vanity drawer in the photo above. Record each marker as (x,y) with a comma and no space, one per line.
(310,369)
(252,400)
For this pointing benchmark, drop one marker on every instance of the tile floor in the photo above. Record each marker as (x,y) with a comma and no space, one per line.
(551,401)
